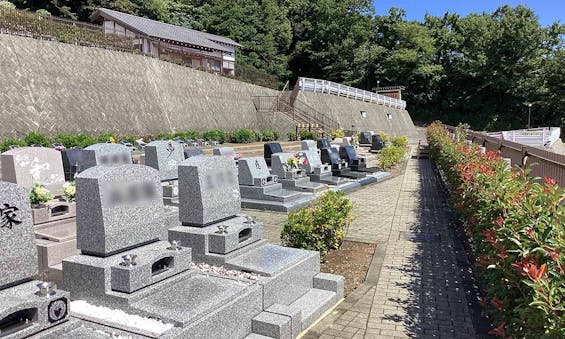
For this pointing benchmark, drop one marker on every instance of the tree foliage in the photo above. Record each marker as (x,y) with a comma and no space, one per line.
(480,69)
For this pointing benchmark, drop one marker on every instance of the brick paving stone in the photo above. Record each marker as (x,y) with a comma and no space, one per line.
(419,292)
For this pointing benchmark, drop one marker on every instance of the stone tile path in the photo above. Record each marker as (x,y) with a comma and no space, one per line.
(415,287)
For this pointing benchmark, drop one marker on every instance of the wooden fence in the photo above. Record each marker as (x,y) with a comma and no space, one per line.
(543,163)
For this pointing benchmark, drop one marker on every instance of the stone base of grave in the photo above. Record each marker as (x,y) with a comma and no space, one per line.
(55,241)
(23,312)
(303,184)
(327,178)
(273,198)
(365,169)
(214,247)
(171,201)
(347,173)
(52,211)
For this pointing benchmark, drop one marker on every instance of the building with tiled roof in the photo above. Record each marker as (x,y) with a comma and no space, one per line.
(165,41)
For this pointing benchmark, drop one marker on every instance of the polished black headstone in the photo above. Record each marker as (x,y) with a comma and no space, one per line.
(269,149)
(323,143)
(72,160)
(377,143)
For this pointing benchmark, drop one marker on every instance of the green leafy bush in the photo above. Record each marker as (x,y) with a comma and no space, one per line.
(391,156)
(215,134)
(338,133)
(107,137)
(7,4)
(43,12)
(36,138)
(291,136)
(165,136)
(321,226)
(308,135)
(517,227)
(384,136)
(129,138)
(269,135)
(400,141)
(242,136)
(66,139)
(84,140)
(190,134)
(6,143)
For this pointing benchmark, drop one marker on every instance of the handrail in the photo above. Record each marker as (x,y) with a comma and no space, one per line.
(325,86)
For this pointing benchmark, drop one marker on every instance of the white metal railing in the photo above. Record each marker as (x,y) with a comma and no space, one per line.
(324,86)
(544,136)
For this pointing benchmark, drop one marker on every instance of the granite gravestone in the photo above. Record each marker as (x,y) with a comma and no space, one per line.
(377,143)
(228,152)
(164,156)
(253,171)
(339,166)
(72,158)
(26,307)
(365,138)
(293,176)
(106,155)
(193,152)
(118,207)
(269,149)
(18,259)
(308,145)
(318,171)
(323,143)
(209,191)
(27,165)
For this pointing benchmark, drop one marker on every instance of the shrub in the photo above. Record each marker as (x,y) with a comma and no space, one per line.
(7,5)
(43,12)
(215,134)
(242,136)
(269,135)
(84,140)
(384,136)
(516,225)
(391,156)
(338,133)
(66,139)
(400,141)
(291,136)
(107,137)
(129,138)
(6,143)
(165,136)
(190,134)
(36,138)
(321,226)
(307,135)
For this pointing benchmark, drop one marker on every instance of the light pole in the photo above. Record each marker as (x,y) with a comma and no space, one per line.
(378,82)
(529,114)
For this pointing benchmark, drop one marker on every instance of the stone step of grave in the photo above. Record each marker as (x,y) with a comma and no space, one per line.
(276,206)
(304,185)
(288,272)
(59,231)
(272,325)
(55,274)
(205,306)
(348,186)
(53,252)
(283,195)
(313,304)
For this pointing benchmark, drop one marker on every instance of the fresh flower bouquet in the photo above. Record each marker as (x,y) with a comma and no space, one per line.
(69,189)
(39,194)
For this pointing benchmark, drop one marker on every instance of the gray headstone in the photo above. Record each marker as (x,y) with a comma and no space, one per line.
(224,151)
(106,155)
(308,145)
(313,160)
(252,168)
(208,190)
(164,156)
(18,255)
(27,165)
(118,207)
(278,165)
(193,152)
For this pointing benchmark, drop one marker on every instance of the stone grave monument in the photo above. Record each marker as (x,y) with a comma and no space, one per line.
(228,152)
(319,172)
(365,138)
(377,143)
(291,171)
(106,154)
(126,264)
(27,165)
(72,158)
(359,164)
(27,306)
(165,156)
(269,149)
(340,167)
(294,293)
(193,152)
(309,145)
(261,190)
(54,221)
(322,143)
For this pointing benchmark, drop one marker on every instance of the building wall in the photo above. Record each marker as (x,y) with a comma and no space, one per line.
(54,87)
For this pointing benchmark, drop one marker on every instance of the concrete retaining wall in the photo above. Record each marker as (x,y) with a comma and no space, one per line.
(54,87)
(347,112)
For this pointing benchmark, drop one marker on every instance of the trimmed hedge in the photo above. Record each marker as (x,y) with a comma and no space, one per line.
(390,156)
(516,225)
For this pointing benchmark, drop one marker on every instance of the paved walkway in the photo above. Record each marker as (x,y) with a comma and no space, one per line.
(415,286)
